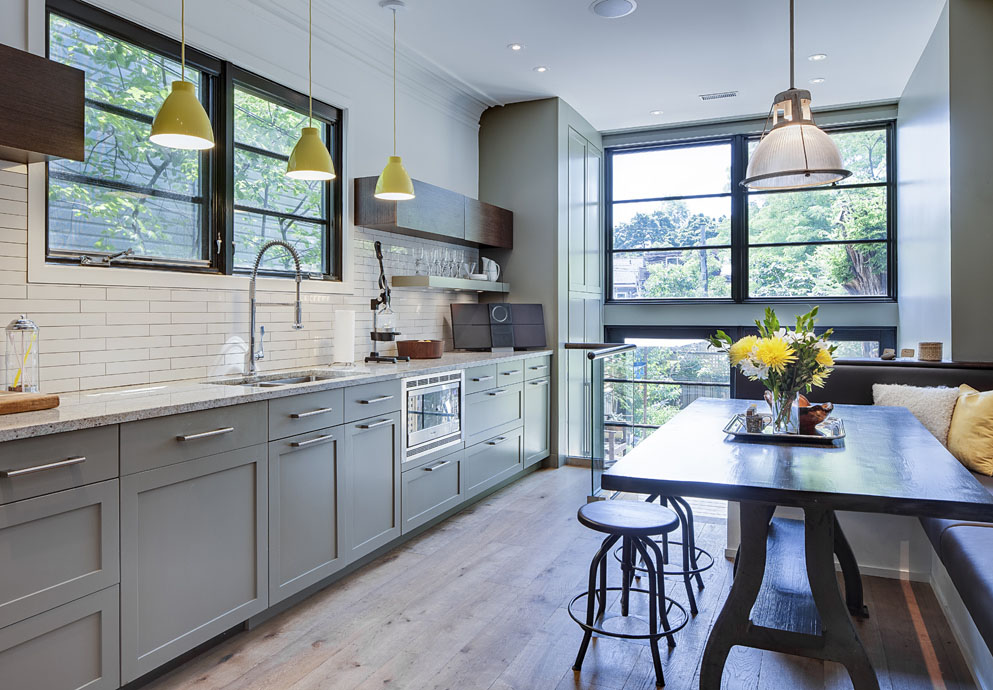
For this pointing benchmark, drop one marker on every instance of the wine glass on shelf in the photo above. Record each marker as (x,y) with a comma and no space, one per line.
(420,263)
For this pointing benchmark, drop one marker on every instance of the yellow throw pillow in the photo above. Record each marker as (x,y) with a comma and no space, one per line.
(970,436)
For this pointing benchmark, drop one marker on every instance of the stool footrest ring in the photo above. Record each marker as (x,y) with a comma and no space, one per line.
(672,603)
(692,571)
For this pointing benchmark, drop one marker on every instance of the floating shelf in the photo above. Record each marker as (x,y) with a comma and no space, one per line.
(441,283)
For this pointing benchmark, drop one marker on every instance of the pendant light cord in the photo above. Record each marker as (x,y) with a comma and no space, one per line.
(792,68)
(395,81)
(182,38)
(310,62)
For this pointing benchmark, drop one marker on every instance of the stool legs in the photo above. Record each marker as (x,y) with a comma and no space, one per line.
(687,559)
(653,610)
(600,557)
(627,574)
(661,578)
(691,534)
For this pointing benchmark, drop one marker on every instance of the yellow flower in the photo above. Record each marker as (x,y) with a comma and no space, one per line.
(742,349)
(824,358)
(818,380)
(775,353)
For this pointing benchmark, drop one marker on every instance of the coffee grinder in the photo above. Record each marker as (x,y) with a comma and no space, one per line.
(384,328)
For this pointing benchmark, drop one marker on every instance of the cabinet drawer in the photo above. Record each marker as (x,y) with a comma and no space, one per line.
(71,647)
(163,441)
(492,461)
(430,490)
(480,378)
(97,448)
(372,399)
(509,373)
(299,414)
(537,367)
(492,412)
(57,548)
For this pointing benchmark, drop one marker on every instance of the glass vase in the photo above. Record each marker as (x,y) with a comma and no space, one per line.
(785,409)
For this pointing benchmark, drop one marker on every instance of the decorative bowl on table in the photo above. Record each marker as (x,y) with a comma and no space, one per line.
(812,415)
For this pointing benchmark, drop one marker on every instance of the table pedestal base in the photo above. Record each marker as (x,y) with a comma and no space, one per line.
(831,637)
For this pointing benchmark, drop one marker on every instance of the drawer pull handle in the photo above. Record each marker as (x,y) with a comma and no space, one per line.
(68,462)
(312,441)
(497,392)
(438,466)
(497,441)
(303,415)
(373,425)
(539,367)
(206,434)
(543,382)
(511,372)
(480,379)
(373,401)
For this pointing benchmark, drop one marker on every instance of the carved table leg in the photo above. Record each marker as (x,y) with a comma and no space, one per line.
(850,570)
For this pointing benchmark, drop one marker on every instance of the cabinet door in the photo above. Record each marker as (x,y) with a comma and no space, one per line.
(577,211)
(193,554)
(371,484)
(432,489)
(304,492)
(490,462)
(594,217)
(492,412)
(536,420)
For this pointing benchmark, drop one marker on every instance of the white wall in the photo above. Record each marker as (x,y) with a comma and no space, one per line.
(119,327)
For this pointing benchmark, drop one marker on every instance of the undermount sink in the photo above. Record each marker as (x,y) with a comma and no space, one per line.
(282,379)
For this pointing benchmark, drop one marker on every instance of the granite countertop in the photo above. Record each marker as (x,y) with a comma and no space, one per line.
(87,409)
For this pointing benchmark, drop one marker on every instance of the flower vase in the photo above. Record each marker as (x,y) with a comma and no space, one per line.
(785,409)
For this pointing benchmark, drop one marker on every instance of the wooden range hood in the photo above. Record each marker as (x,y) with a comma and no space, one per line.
(41,108)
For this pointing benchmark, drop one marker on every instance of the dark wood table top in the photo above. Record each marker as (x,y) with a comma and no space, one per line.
(887,463)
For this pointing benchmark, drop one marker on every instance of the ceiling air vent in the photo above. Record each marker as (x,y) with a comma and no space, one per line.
(717,95)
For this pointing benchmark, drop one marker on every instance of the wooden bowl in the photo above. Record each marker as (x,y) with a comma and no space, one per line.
(421,349)
(812,415)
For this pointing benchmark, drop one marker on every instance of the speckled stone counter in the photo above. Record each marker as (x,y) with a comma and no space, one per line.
(87,409)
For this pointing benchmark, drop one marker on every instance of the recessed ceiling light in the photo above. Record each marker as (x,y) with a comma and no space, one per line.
(540,68)
(613,9)
(655,112)
(516,46)
(817,80)
(817,57)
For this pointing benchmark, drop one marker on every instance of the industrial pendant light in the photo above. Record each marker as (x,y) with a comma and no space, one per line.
(181,122)
(310,158)
(394,184)
(795,153)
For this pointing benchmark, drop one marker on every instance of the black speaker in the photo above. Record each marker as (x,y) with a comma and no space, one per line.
(497,325)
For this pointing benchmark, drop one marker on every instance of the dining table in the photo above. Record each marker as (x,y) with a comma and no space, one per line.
(887,462)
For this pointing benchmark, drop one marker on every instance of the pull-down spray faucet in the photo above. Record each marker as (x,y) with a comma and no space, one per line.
(253,354)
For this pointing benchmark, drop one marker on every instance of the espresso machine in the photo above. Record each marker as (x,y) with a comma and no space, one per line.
(384,329)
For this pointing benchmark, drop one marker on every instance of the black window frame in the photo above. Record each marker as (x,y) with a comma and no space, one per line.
(739,221)
(218,81)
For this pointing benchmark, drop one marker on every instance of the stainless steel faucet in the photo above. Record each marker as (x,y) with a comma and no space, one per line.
(253,354)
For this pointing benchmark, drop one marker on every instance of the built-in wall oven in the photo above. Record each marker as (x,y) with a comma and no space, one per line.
(432,413)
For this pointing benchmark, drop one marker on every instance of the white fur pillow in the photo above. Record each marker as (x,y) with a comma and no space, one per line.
(933,407)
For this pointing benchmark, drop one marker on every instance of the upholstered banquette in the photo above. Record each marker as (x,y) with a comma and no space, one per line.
(965,549)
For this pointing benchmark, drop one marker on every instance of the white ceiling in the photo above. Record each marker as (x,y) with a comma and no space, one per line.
(667,53)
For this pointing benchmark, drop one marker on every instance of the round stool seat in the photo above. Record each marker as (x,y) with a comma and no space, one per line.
(629,518)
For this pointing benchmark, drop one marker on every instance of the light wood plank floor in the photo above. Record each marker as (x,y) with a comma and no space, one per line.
(478,602)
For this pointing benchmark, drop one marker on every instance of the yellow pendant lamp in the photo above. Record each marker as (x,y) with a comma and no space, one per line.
(394,184)
(310,158)
(181,122)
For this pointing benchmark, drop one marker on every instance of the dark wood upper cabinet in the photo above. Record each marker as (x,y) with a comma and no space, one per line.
(434,213)
(488,224)
(41,108)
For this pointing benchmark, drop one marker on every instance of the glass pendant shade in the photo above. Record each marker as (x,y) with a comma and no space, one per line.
(394,184)
(795,153)
(310,158)
(181,122)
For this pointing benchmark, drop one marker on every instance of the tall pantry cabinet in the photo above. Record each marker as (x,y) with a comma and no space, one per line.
(543,161)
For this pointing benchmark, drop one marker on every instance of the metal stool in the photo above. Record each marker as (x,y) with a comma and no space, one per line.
(691,553)
(633,523)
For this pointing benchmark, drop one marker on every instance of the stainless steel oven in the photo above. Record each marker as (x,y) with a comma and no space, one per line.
(432,413)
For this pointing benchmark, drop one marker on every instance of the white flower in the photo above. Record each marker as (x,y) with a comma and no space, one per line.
(822,345)
(752,370)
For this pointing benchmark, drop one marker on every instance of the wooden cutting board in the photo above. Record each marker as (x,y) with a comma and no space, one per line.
(27,402)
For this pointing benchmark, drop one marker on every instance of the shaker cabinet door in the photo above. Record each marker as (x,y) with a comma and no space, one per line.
(537,399)
(371,496)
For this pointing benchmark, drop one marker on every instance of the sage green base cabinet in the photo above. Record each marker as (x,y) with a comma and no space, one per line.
(490,413)
(490,462)
(371,480)
(57,548)
(305,479)
(71,647)
(431,489)
(193,554)
(537,404)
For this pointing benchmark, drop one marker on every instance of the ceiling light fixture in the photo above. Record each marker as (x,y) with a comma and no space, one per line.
(394,184)
(817,80)
(613,9)
(817,57)
(516,47)
(310,158)
(794,153)
(181,122)
(541,68)
(655,112)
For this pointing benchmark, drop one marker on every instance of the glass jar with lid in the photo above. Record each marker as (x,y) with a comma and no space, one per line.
(21,363)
